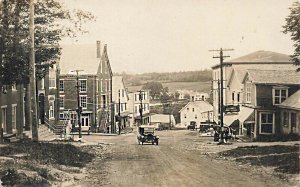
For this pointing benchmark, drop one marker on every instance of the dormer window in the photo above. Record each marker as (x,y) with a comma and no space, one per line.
(279,94)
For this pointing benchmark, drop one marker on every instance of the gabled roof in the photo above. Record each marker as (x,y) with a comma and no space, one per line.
(287,77)
(259,57)
(201,105)
(80,57)
(118,83)
(239,74)
(104,57)
(292,102)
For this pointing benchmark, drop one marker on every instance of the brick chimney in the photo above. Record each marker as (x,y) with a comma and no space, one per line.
(98,49)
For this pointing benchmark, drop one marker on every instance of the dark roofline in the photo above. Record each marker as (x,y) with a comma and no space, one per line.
(231,63)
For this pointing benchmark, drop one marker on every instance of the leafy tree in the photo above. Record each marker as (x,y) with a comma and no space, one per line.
(155,88)
(176,95)
(52,23)
(292,27)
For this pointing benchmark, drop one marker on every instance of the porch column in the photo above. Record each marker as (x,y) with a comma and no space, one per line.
(9,110)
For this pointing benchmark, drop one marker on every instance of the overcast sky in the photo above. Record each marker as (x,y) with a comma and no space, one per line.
(175,35)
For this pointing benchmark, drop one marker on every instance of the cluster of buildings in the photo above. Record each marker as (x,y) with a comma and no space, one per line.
(265,87)
(81,80)
(192,95)
(261,97)
(262,88)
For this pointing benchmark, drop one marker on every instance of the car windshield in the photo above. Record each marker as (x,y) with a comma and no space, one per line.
(148,130)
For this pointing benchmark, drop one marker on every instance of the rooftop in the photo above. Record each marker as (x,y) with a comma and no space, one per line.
(292,102)
(274,76)
(79,57)
(260,57)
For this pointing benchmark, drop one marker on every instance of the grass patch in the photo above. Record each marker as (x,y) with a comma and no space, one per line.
(285,159)
(49,153)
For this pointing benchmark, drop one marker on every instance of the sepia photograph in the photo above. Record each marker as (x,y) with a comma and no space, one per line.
(158,93)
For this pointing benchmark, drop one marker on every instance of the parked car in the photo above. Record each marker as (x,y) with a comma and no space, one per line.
(191,126)
(146,135)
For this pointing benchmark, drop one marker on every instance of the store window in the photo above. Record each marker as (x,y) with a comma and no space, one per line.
(266,123)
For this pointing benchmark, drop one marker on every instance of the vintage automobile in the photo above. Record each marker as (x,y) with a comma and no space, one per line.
(146,134)
(192,126)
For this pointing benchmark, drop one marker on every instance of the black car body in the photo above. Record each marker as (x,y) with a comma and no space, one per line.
(146,135)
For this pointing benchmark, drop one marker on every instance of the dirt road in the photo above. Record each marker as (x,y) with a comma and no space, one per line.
(169,164)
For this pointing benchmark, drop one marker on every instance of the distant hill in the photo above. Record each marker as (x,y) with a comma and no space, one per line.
(184,76)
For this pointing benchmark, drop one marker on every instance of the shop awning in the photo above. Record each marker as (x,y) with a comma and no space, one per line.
(244,115)
(125,114)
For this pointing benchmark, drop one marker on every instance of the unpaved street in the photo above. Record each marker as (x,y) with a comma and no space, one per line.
(171,163)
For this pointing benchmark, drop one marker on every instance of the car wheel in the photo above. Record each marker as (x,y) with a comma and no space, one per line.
(156,142)
(142,143)
(152,143)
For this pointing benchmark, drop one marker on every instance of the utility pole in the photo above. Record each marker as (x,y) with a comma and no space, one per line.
(221,57)
(79,108)
(32,76)
(119,112)
(141,105)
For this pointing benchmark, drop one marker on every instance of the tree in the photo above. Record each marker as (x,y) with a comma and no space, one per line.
(52,23)
(155,88)
(292,27)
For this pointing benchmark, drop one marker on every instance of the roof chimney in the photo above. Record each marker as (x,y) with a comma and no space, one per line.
(98,49)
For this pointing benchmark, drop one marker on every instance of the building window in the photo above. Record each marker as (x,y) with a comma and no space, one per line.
(184,115)
(43,83)
(97,85)
(83,102)
(61,116)
(123,93)
(135,109)
(195,116)
(61,85)
(285,119)
(248,92)
(188,108)
(51,110)
(4,117)
(238,97)
(101,85)
(83,85)
(232,96)
(266,123)
(14,117)
(61,102)
(193,109)
(293,121)
(52,83)
(279,95)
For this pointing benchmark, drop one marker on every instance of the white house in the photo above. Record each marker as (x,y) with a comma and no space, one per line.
(163,119)
(121,100)
(139,101)
(194,95)
(192,112)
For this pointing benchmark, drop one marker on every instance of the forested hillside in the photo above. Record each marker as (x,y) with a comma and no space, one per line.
(185,76)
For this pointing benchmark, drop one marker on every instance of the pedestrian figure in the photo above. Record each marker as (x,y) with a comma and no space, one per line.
(68,129)
(211,130)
